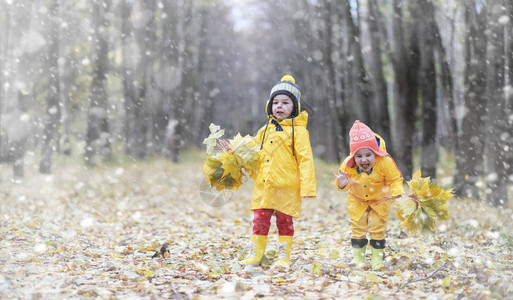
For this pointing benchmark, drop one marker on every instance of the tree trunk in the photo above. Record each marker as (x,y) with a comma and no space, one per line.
(428,89)
(66,146)
(447,88)
(97,135)
(379,118)
(128,72)
(145,36)
(18,148)
(53,106)
(198,82)
(359,79)
(4,44)
(331,128)
(202,81)
(164,49)
(509,90)
(182,103)
(351,103)
(470,147)
(169,58)
(497,177)
(405,62)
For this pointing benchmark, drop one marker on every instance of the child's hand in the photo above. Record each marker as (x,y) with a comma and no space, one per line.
(342,179)
(224,145)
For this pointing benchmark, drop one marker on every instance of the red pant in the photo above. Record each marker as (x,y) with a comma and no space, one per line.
(262,222)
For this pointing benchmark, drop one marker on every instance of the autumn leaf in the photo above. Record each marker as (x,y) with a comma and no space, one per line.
(241,252)
(271,253)
(446,282)
(265,261)
(334,254)
(211,141)
(317,268)
(372,277)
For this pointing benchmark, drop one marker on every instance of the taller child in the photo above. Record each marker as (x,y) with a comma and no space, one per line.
(286,174)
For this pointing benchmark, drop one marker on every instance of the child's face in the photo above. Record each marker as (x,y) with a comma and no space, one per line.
(365,159)
(282,106)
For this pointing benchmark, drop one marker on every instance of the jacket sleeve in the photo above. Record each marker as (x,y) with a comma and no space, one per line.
(394,177)
(258,140)
(304,157)
(258,136)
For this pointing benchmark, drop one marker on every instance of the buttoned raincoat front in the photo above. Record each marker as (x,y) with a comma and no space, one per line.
(372,189)
(284,177)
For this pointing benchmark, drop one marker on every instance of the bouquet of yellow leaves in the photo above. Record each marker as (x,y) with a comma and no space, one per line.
(225,170)
(427,203)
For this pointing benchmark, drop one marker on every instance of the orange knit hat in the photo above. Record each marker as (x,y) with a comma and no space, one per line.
(361,136)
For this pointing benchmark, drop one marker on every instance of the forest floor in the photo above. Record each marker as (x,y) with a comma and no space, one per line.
(93,233)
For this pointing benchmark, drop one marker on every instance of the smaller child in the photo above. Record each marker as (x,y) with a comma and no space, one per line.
(373,180)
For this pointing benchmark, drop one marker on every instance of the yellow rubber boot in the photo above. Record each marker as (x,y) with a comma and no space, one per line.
(377,259)
(256,249)
(284,247)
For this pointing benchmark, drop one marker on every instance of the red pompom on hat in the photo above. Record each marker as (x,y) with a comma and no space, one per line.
(361,136)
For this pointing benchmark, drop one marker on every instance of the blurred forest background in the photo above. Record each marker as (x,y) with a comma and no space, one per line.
(101,79)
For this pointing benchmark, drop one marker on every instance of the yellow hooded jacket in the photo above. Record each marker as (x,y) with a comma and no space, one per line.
(284,178)
(372,189)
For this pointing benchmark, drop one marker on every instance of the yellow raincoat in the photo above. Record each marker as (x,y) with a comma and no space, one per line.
(372,189)
(284,178)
